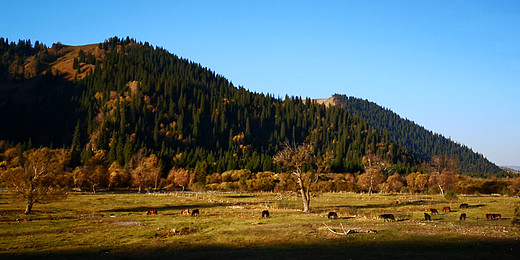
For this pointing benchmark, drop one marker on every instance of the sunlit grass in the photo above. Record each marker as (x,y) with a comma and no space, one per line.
(117,224)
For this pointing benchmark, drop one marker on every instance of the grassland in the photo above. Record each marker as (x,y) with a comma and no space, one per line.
(115,225)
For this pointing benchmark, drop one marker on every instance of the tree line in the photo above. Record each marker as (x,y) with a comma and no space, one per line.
(37,175)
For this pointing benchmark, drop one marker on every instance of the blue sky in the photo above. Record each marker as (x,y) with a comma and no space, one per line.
(450,66)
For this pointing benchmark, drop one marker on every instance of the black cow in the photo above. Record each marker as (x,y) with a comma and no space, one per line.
(464,205)
(265,214)
(434,211)
(427,217)
(388,217)
(195,212)
(333,215)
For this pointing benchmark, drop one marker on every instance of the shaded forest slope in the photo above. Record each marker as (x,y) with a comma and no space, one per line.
(123,96)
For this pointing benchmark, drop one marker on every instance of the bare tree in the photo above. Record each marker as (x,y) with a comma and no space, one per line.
(295,159)
(35,176)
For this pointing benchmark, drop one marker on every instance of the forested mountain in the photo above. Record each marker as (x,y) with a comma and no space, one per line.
(421,143)
(123,96)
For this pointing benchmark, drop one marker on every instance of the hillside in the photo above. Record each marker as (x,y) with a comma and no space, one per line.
(123,96)
(420,142)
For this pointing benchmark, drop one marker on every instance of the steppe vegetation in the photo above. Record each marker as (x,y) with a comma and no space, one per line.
(115,225)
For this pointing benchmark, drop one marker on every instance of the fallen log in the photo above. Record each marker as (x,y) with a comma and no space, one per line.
(350,231)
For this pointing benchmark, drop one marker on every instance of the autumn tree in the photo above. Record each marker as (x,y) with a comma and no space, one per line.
(297,159)
(94,173)
(371,179)
(444,168)
(410,181)
(178,177)
(145,171)
(395,182)
(35,176)
(118,177)
(515,187)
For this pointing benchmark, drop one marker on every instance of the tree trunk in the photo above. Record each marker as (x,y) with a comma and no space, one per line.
(441,189)
(28,208)
(305,196)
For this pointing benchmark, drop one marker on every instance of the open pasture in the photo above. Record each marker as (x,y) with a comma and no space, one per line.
(116,225)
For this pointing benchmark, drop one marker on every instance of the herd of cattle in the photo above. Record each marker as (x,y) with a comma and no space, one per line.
(428,217)
(334,215)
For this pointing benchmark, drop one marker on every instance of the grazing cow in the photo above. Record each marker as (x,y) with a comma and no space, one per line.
(265,213)
(464,205)
(434,211)
(446,209)
(332,214)
(497,216)
(195,212)
(462,216)
(427,217)
(185,211)
(489,216)
(388,217)
(151,212)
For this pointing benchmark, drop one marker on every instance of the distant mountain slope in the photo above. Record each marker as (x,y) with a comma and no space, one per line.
(121,96)
(418,141)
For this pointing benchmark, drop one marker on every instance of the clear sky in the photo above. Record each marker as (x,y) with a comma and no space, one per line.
(450,66)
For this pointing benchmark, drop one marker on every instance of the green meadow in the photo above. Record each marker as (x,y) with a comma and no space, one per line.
(230,225)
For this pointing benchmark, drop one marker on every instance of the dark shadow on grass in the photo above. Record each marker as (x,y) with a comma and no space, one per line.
(164,208)
(333,249)
(239,196)
(476,206)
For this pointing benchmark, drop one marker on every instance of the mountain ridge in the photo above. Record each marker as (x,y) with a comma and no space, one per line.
(128,96)
(385,118)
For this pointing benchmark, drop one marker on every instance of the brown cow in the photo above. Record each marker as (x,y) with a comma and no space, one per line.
(462,216)
(434,211)
(497,216)
(446,209)
(151,212)
(185,211)
(195,212)
(427,217)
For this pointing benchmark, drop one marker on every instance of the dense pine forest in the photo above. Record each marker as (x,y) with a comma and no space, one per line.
(123,97)
(421,143)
